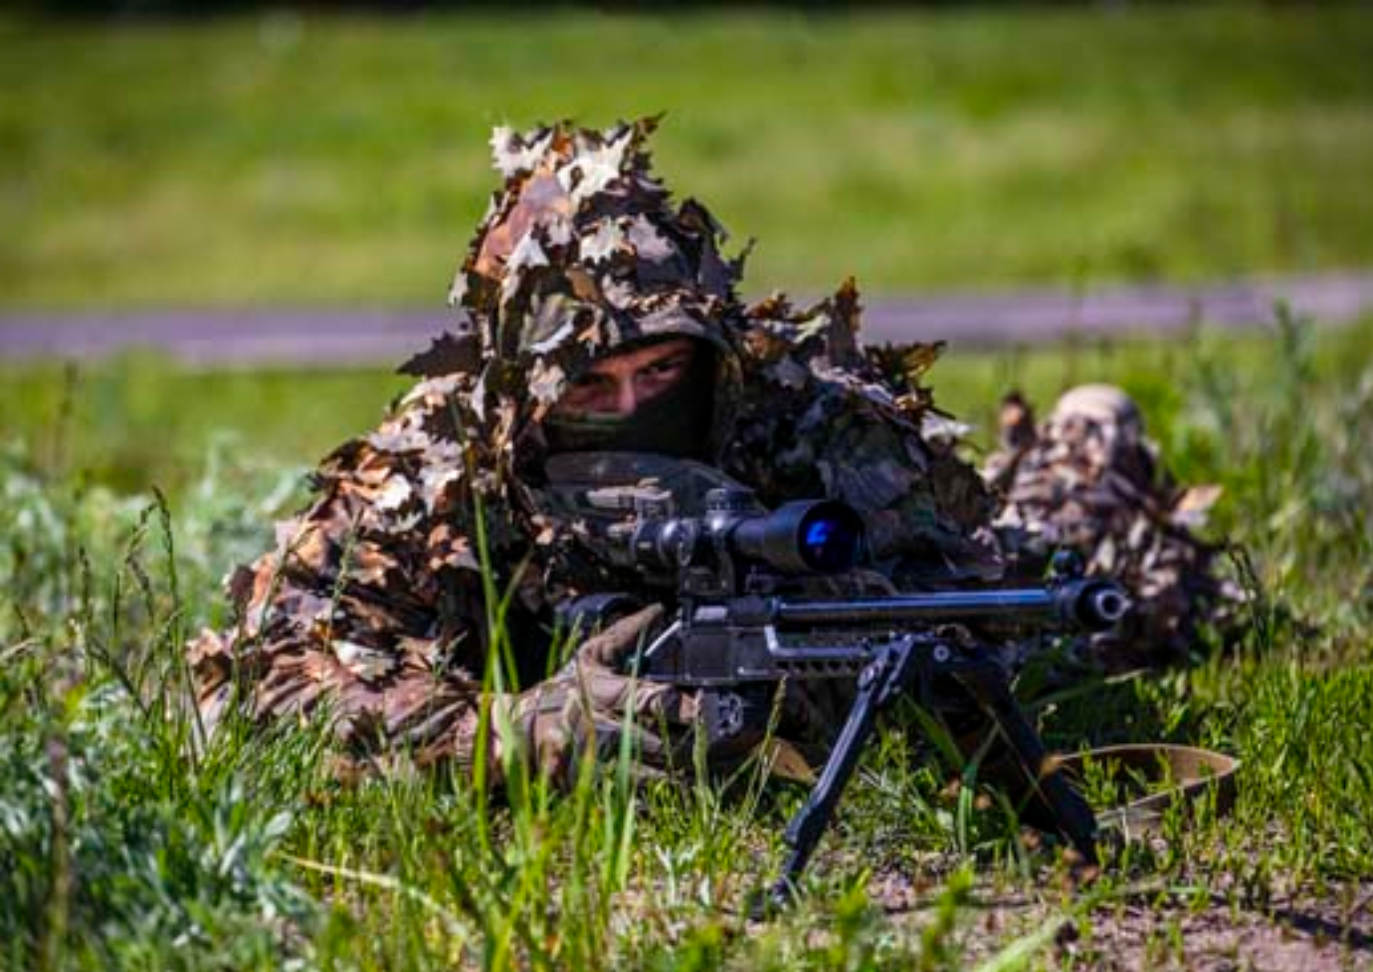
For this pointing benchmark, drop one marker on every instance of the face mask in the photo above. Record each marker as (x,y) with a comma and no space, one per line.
(676,423)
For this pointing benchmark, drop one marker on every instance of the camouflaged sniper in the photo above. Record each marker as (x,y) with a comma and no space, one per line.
(371,607)
(1091,481)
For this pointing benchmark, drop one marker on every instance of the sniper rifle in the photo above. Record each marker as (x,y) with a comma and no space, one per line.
(740,629)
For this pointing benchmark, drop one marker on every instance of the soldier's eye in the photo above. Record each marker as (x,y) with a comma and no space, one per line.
(667,365)
(593,381)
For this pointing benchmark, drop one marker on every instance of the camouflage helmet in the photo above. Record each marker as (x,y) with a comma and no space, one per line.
(1103,405)
(582,253)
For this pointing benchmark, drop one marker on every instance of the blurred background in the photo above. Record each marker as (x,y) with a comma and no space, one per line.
(237,173)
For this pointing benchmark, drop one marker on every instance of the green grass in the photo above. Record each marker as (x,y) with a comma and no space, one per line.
(117,849)
(282,159)
(141,420)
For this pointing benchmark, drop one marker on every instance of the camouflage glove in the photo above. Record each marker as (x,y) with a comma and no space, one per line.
(590,705)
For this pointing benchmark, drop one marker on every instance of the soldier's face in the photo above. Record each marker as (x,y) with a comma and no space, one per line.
(619,383)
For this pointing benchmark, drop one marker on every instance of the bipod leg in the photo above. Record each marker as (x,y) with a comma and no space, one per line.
(986,681)
(881,681)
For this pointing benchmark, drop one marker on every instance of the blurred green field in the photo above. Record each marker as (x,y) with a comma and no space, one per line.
(143,421)
(276,158)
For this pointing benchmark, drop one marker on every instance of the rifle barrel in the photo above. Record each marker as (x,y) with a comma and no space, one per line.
(940,606)
(1094,605)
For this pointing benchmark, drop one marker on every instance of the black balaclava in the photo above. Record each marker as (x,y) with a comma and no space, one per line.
(677,423)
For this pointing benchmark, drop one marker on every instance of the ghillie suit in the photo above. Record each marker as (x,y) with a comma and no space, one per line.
(373,607)
(1090,481)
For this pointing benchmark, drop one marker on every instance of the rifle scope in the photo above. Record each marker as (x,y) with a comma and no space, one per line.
(802,537)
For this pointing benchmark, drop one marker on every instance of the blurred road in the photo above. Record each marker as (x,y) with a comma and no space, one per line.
(359,337)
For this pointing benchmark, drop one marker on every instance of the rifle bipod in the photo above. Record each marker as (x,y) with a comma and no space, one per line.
(897,666)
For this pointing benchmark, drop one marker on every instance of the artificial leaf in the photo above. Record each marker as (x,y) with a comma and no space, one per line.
(446,354)
(595,168)
(515,154)
(546,381)
(604,244)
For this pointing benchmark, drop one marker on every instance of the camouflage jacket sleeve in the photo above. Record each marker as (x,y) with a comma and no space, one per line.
(369,612)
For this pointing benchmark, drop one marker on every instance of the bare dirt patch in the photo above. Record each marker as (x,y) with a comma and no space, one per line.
(1306,932)
(1192,928)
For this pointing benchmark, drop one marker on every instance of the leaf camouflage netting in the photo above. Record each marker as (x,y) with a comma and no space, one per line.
(1089,480)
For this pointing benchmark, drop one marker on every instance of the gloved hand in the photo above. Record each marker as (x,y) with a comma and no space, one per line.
(584,707)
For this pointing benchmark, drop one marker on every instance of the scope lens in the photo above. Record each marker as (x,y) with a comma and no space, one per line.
(830,539)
